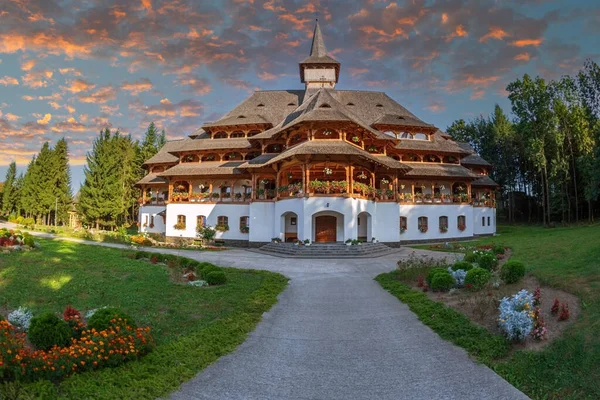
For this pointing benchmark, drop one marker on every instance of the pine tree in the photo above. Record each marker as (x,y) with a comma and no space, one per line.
(8,192)
(29,189)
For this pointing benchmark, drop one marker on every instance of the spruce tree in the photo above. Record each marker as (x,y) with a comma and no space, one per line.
(8,192)
(62,181)
(29,189)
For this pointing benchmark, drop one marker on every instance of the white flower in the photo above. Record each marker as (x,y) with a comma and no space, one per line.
(21,318)
(198,283)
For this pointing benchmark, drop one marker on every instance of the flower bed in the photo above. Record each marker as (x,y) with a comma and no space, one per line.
(16,240)
(88,350)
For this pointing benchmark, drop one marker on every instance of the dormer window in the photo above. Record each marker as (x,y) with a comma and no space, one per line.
(390,133)
(260,105)
(406,135)
(291,104)
(350,104)
(401,117)
(421,136)
(242,116)
(379,106)
(324,105)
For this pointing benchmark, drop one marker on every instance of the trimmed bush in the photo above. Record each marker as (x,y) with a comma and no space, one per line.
(208,268)
(28,240)
(487,261)
(442,281)
(512,271)
(216,278)
(141,254)
(477,278)
(47,330)
(498,249)
(432,273)
(101,320)
(464,265)
(469,257)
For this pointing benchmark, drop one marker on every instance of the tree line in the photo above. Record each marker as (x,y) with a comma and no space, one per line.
(106,199)
(546,159)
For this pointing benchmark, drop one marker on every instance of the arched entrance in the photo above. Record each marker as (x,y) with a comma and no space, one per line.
(328,227)
(364,225)
(289,226)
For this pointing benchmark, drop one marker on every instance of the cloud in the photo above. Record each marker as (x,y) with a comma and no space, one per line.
(494,33)
(78,86)
(527,42)
(9,81)
(70,71)
(100,96)
(137,87)
(522,57)
(28,65)
(45,120)
(194,84)
(37,79)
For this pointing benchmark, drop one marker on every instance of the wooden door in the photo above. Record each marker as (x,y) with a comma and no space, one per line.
(325,229)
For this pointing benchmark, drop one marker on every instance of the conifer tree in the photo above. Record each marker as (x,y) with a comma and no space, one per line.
(62,181)
(9,198)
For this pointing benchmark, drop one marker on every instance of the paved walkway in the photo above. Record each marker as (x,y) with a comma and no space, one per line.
(336,334)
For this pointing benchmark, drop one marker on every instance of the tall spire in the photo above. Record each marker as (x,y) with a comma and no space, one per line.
(319,65)
(317,49)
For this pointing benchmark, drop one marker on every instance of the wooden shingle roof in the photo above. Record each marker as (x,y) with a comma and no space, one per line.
(205,168)
(152,179)
(439,170)
(165,156)
(473,158)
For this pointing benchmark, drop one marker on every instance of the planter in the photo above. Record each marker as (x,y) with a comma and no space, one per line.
(349,244)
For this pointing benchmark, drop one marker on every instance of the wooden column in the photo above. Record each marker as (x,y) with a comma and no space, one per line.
(347,168)
(351,181)
(373,179)
(143,195)
(170,189)
(277,178)
(210,188)
(190,190)
(468,192)
(307,177)
(253,192)
(304,178)
(395,187)
(413,191)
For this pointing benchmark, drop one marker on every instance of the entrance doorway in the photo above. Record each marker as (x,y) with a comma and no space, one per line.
(325,229)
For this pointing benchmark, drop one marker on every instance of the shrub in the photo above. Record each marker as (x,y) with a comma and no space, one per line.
(432,273)
(420,281)
(469,257)
(516,315)
(442,281)
(71,313)
(564,312)
(477,278)
(28,241)
(216,278)
(555,307)
(487,261)
(512,271)
(141,254)
(103,318)
(208,268)
(498,249)
(21,318)
(459,276)
(47,331)
(464,265)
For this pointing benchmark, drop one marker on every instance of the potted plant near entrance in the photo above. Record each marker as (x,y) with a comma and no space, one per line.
(261,194)
(275,240)
(349,242)
(307,242)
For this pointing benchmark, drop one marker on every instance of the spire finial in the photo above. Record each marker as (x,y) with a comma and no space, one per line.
(318,45)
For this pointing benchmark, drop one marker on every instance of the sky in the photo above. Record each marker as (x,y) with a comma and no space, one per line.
(71,68)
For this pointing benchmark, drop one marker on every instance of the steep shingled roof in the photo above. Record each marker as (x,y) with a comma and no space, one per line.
(152,179)
(437,145)
(164,155)
(484,181)
(473,158)
(318,54)
(205,168)
(439,170)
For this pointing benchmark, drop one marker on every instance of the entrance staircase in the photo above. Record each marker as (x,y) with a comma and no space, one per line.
(326,250)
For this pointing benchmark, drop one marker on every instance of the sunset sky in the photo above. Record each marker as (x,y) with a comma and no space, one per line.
(71,68)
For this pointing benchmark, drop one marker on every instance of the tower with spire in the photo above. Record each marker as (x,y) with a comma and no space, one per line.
(319,70)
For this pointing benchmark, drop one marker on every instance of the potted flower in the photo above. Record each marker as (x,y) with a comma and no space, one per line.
(419,197)
(389,193)
(371,149)
(238,197)
(355,139)
(408,196)
(261,193)
(447,198)
(374,240)
(215,196)
(423,228)
(222,227)
(307,242)
(464,198)
(428,198)
(283,190)
(275,240)
(437,197)
(180,226)
(402,229)
(462,227)
(245,229)
(349,242)
(443,228)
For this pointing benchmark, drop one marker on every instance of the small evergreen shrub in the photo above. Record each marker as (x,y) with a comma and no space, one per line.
(140,254)
(469,257)
(442,281)
(208,268)
(21,318)
(47,330)
(459,276)
(216,278)
(512,271)
(498,249)
(432,273)
(28,240)
(487,261)
(101,320)
(477,278)
(464,265)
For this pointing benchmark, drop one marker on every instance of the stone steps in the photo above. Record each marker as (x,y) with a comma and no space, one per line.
(325,250)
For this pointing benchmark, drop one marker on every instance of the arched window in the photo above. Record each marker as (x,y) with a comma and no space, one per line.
(423,224)
(200,221)
(394,156)
(432,158)
(237,134)
(190,158)
(274,148)
(411,157)
(327,134)
(245,224)
(421,136)
(222,223)
(403,224)
(232,156)
(252,133)
(443,224)
(406,135)
(180,225)
(211,157)
(251,155)
(220,135)
(461,222)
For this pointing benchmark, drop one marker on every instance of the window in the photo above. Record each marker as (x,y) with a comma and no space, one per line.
(220,135)
(146,220)
(293,221)
(461,222)
(423,224)
(152,221)
(443,224)
(403,224)
(180,225)
(200,221)
(489,221)
(421,136)
(244,224)
(482,221)
(237,134)
(221,220)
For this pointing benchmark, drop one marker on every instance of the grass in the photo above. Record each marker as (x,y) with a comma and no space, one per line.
(565,258)
(192,327)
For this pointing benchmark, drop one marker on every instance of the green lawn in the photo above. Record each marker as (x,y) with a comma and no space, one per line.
(192,326)
(567,258)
